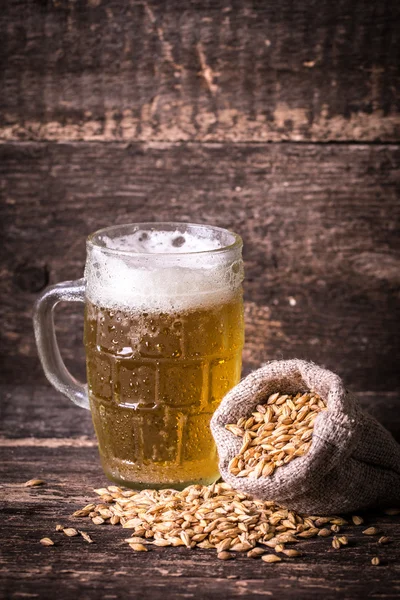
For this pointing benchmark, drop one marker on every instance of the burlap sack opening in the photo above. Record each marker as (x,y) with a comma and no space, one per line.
(353,461)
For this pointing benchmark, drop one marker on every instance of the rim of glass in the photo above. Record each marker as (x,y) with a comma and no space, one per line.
(237,243)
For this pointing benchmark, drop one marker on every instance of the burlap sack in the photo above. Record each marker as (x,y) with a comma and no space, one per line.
(353,461)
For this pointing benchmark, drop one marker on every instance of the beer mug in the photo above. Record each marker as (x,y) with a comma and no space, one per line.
(163,334)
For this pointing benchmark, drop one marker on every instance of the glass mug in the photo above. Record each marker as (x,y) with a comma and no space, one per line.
(163,334)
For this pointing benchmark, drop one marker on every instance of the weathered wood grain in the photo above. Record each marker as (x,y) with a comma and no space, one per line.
(319,223)
(141,70)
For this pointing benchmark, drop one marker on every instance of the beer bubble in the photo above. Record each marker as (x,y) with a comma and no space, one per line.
(236,267)
(178,241)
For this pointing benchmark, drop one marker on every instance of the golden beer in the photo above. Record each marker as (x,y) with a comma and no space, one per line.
(163,338)
(154,382)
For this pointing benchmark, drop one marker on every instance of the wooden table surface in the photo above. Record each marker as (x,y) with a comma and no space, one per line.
(43,435)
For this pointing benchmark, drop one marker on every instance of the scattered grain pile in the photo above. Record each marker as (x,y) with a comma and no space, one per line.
(214,517)
(276,433)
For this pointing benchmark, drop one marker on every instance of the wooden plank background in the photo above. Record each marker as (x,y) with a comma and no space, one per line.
(278,119)
(232,70)
(147,110)
(318,223)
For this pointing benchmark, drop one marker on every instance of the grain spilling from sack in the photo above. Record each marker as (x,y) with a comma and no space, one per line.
(276,433)
(212,517)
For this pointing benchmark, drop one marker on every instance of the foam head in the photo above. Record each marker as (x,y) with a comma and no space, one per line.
(162,267)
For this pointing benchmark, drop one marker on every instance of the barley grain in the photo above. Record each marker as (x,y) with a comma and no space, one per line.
(335,543)
(46,542)
(384,539)
(34,483)
(292,553)
(70,531)
(223,545)
(138,547)
(371,531)
(271,558)
(86,537)
(324,532)
(255,553)
(225,556)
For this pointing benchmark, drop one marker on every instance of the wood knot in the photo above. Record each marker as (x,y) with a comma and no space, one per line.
(30,277)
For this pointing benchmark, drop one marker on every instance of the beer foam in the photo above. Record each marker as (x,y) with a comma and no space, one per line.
(160,272)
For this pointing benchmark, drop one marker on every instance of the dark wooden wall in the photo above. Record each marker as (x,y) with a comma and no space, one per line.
(279,120)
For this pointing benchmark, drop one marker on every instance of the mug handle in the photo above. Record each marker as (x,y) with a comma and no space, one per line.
(46,341)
